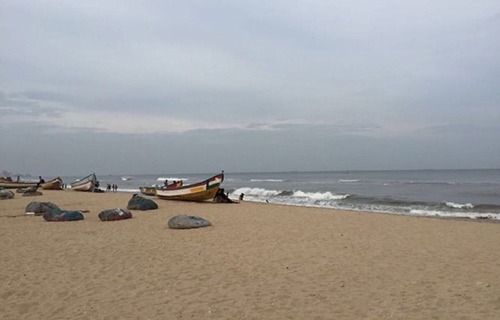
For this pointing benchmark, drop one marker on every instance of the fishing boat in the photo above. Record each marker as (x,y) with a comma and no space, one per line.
(9,184)
(201,191)
(148,191)
(54,184)
(86,184)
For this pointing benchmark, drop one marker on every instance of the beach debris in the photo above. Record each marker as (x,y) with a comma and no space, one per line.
(115,214)
(57,215)
(6,194)
(140,203)
(187,222)
(39,208)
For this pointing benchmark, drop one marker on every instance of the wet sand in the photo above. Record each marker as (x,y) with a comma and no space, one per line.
(257,261)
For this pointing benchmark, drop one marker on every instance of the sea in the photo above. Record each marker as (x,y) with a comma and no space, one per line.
(472,194)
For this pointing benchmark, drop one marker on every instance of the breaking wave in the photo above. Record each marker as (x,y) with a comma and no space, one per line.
(445,209)
(288,194)
(320,195)
(459,206)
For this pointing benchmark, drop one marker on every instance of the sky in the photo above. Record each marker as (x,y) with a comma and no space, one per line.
(137,87)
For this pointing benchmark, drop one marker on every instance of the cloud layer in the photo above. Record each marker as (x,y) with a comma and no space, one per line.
(385,82)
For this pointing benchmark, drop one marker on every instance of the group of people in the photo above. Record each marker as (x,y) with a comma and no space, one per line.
(175,184)
(113,187)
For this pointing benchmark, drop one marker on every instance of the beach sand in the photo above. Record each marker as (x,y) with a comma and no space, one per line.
(257,261)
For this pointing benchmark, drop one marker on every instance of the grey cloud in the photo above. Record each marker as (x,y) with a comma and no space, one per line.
(343,70)
(32,103)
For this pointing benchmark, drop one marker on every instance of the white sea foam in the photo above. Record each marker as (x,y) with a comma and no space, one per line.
(171,179)
(256,192)
(308,196)
(348,180)
(459,205)
(128,190)
(266,180)
(320,195)
(469,215)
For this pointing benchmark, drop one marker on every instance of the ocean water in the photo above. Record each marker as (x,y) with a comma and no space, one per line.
(471,194)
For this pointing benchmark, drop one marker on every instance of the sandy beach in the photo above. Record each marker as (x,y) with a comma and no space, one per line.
(257,261)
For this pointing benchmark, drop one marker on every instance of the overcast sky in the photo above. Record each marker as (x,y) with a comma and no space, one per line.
(130,87)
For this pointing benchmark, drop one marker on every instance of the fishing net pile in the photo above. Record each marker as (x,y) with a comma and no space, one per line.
(115,214)
(141,203)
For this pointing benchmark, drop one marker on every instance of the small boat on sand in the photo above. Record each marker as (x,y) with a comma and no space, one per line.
(86,184)
(54,184)
(201,191)
(6,183)
(148,191)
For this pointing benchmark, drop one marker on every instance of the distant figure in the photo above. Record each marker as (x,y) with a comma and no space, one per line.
(40,181)
(166,183)
(241,196)
(17,178)
(97,184)
(108,188)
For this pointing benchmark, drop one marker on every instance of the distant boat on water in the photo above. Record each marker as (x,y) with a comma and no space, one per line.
(201,191)
(86,184)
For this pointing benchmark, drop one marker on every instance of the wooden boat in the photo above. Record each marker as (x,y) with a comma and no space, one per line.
(54,184)
(9,184)
(201,191)
(148,191)
(85,184)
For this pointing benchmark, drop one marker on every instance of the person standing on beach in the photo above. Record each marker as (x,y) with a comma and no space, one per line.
(40,181)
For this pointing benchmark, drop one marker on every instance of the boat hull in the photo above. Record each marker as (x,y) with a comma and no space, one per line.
(6,184)
(202,191)
(54,184)
(147,191)
(85,184)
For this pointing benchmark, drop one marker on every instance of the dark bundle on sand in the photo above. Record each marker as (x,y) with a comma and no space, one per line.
(56,215)
(31,191)
(6,194)
(221,197)
(115,214)
(40,208)
(141,203)
(187,222)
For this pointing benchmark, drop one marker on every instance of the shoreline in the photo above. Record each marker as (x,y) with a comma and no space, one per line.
(257,261)
(481,219)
